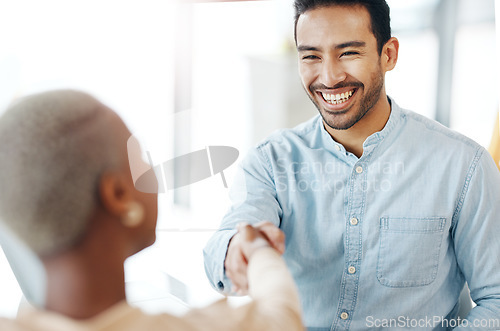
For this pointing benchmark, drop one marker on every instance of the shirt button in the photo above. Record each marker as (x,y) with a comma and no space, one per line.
(220,285)
(351,269)
(344,315)
(359,169)
(354,221)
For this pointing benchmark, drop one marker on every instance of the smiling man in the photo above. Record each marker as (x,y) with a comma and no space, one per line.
(342,67)
(386,213)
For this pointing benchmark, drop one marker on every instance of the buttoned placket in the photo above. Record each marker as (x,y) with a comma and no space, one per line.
(356,198)
(352,245)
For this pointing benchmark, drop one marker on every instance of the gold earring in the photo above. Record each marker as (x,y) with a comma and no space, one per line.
(134,215)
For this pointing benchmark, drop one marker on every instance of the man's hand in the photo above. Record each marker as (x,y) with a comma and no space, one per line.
(243,244)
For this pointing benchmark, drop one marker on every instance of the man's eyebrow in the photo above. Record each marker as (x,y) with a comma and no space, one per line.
(304,48)
(351,44)
(355,43)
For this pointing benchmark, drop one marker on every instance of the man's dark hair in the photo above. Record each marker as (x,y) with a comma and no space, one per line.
(378,9)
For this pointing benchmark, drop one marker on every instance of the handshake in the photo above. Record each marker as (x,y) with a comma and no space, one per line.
(244,244)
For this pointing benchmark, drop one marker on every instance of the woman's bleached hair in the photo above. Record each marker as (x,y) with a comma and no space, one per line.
(53,148)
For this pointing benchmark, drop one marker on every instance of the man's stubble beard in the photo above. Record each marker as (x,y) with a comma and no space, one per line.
(368,100)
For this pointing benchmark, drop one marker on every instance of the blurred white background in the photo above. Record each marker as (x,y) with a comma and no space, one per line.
(186,76)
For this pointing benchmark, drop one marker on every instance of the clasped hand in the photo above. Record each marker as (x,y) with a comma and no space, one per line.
(244,244)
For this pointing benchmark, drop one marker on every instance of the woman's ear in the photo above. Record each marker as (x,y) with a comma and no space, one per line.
(390,54)
(114,193)
(117,199)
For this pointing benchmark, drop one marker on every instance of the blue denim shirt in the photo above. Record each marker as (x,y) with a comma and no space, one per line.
(384,240)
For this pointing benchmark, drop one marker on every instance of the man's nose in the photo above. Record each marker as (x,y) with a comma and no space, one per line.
(332,73)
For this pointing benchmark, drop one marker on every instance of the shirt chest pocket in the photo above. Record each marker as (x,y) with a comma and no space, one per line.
(409,250)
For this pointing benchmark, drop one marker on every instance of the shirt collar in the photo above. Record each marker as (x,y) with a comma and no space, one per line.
(394,119)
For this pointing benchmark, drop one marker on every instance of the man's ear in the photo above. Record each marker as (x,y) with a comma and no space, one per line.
(390,54)
(114,193)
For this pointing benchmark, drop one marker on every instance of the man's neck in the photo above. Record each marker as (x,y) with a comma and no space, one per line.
(374,121)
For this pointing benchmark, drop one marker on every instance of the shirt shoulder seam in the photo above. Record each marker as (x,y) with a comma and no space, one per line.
(465,188)
(438,128)
(300,132)
(266,159)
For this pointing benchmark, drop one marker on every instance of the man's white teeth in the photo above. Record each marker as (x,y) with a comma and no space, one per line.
(337,98)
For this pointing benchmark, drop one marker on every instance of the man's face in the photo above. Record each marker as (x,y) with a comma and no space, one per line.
(339,63)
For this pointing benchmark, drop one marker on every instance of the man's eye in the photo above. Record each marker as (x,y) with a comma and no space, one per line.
(310,57)
(349,53)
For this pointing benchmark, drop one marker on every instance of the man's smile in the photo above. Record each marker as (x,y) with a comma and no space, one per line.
(336,99)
